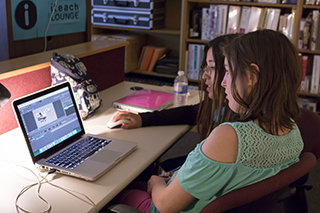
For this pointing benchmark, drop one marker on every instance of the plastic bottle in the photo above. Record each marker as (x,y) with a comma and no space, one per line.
(180,88)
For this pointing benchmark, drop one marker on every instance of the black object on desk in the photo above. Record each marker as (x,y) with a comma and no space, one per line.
(136,88)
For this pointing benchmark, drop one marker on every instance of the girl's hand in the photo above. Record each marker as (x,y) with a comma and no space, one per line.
(157,181)
(135,119)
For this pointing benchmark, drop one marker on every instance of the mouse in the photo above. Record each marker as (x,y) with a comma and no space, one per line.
(112,124)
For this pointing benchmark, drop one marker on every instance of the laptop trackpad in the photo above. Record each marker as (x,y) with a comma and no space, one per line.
(106,156)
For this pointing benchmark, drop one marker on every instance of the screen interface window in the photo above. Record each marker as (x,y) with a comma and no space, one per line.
(49,120)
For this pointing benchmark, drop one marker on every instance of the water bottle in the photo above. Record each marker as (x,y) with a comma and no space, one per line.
(180,88)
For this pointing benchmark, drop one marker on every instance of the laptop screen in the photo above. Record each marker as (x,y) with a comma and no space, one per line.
(49,119)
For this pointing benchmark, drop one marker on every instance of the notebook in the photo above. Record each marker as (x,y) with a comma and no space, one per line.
(145,100)
(53,129)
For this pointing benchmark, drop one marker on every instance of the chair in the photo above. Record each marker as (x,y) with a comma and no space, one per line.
(248,194)
(273,194)
(266,189)
(309,126)
(284,189)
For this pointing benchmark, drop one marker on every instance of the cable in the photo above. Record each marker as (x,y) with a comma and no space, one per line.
(39,183)
(29,187)
(45,34)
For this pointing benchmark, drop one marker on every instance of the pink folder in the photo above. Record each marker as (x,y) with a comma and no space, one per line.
(145,100)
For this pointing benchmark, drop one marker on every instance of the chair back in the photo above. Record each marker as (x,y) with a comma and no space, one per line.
(309,126)
(263,188)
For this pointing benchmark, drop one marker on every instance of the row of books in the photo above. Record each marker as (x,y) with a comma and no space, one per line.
(312,2)
(309,32)
(194,56)
(308,103)
(149,57)
(216,20)
(311,73)
(272,1)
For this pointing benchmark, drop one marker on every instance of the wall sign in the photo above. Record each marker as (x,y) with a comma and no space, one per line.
(30,18)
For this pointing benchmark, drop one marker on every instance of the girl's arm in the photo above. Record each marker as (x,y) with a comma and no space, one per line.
(172,198)
(221,146)
(173,116)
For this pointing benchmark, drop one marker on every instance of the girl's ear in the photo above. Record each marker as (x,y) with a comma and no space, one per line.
(253,76)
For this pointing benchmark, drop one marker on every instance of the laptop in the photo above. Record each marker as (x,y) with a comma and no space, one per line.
(145,100)
(56,139)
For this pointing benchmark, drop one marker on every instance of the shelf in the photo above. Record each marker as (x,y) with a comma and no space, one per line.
(196,40)
(309,94)
(315,52)
(169,31)
(311,7)
(245,3)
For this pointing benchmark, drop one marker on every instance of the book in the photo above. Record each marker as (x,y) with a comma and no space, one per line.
(213,19)
(199,49)
(273,18)
(315,81)
(205,26)
(304,61)
(233,19)
(201,59)
(195,63)
(300,40)
(289,2)
(245,16)
(281,23)
(288,24)
(317,39)
(167,65)
(306,103)
(314,29)
(186,63)
(263,19)
(145,100)
(307,32)
(190,61)
(222,19)
(254,18)
(146,56)
(310,2)
(307,83)
(158,53)
(195,23)
(291,24)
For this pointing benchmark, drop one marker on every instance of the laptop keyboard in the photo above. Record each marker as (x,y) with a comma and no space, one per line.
(78,153)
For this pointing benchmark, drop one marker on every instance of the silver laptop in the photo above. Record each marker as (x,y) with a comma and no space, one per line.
(56,139)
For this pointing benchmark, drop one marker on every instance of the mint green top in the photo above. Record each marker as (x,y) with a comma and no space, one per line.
(260,156)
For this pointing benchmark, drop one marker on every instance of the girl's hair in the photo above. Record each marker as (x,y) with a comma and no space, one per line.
(214,111)
(273,99)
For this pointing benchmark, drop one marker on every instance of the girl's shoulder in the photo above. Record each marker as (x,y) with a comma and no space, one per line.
(221,145)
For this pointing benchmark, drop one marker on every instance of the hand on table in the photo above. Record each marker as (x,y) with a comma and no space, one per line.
(135,119)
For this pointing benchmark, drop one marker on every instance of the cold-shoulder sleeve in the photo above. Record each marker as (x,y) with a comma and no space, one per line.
(202,177)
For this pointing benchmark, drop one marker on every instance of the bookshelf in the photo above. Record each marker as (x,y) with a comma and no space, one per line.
(189,5)
(175,34)
(300,8)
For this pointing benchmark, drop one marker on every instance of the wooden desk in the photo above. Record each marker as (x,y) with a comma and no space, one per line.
(152,142)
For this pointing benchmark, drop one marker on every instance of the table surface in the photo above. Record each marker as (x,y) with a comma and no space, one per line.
(152,142)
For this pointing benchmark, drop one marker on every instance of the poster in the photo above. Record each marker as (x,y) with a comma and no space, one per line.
(31,18)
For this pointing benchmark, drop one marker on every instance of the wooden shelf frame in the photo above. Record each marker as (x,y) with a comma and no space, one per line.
(188,5)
